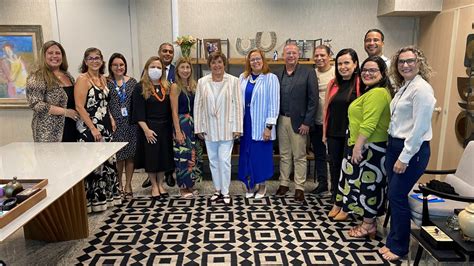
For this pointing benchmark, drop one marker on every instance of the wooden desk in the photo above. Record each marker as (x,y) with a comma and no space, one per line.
(62,215)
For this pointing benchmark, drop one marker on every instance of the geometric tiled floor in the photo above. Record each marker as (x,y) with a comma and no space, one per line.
(268,231)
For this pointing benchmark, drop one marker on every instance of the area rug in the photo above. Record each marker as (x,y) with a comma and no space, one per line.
(268,231)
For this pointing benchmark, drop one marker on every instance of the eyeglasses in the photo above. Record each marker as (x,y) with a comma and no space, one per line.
(97,58)
(256,59)
(371,71)
(409,61)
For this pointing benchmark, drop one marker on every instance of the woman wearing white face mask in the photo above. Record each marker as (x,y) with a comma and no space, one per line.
(152,111)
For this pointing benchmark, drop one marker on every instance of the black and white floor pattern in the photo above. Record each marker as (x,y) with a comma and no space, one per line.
(268,231)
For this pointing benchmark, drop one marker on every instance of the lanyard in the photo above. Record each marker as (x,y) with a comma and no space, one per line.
(121,91)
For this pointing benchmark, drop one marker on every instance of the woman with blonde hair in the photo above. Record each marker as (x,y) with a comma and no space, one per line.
(187,148)
(152,111)
(408,150)
(50,93)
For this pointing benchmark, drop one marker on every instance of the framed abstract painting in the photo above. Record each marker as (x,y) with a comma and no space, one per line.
(19,51)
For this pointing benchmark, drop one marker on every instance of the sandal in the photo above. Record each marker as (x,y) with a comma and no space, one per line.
(128,195)
(217,195)
(362,231)
(185,194)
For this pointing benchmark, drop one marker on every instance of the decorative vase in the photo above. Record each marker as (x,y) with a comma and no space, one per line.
(185,50)
(466,221)
(12,188)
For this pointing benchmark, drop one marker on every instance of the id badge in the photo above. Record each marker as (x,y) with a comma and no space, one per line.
(124,111)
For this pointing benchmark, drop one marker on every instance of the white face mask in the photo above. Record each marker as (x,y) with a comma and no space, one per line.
(154,73)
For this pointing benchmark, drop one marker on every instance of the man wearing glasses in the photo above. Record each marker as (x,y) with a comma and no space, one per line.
(298,105)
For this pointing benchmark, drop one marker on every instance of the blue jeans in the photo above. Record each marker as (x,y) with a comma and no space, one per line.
(399,185)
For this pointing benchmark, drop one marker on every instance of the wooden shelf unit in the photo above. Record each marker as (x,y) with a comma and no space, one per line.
(241,61)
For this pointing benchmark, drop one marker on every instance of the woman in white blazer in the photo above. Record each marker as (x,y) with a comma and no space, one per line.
(261,101)
(218,120)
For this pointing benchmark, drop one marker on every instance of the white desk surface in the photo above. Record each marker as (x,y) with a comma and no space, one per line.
(63,164)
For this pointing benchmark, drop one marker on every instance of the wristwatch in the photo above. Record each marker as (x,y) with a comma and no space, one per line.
(270,127)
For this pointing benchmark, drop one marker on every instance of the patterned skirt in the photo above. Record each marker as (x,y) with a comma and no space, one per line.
(102,188)
(188,157)
(362,187)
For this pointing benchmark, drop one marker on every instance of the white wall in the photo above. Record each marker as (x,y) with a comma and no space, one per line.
(79,24)
(103,24)
(343,21)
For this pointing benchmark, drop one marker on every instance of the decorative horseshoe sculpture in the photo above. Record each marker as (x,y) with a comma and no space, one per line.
(258,41)
(244,51)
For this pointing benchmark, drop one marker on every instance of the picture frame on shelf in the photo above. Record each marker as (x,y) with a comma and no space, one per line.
(19,50)
(210,46)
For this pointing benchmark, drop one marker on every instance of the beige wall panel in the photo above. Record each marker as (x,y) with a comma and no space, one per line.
(343,21)
(448,4)
(435,39)
(154,27)
(15,123)
(27,12)
(453,150)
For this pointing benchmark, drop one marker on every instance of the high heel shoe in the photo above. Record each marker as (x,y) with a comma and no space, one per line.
(341,216)
(361,231)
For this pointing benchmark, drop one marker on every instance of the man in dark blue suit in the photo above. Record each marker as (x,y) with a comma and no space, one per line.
(166,53)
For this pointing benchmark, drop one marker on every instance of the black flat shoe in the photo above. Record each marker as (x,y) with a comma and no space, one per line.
(156,197)
(170,180)
(165,195)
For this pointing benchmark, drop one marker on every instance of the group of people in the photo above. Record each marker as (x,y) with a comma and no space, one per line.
(377,146)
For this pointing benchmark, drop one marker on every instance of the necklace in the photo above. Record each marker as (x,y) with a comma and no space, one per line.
(163,93)
(93,83)
(252,80)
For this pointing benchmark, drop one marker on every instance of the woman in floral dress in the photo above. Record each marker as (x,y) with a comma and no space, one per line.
(96,125)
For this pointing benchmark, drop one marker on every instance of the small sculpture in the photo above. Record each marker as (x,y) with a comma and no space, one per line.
(12,188)
(275,55)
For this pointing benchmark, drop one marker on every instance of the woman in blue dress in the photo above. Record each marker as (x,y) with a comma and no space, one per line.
(261,91)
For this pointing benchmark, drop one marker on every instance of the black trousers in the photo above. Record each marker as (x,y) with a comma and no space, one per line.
(336,154)
(319,149)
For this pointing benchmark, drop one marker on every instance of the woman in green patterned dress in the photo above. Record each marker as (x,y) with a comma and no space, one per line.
(187,149)
(362,186)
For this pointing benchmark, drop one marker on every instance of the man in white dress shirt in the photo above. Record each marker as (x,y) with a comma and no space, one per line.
(373,44)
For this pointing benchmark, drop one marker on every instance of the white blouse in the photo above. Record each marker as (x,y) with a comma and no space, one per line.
(411,111)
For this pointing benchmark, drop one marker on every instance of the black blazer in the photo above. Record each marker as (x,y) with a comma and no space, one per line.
(304,95)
